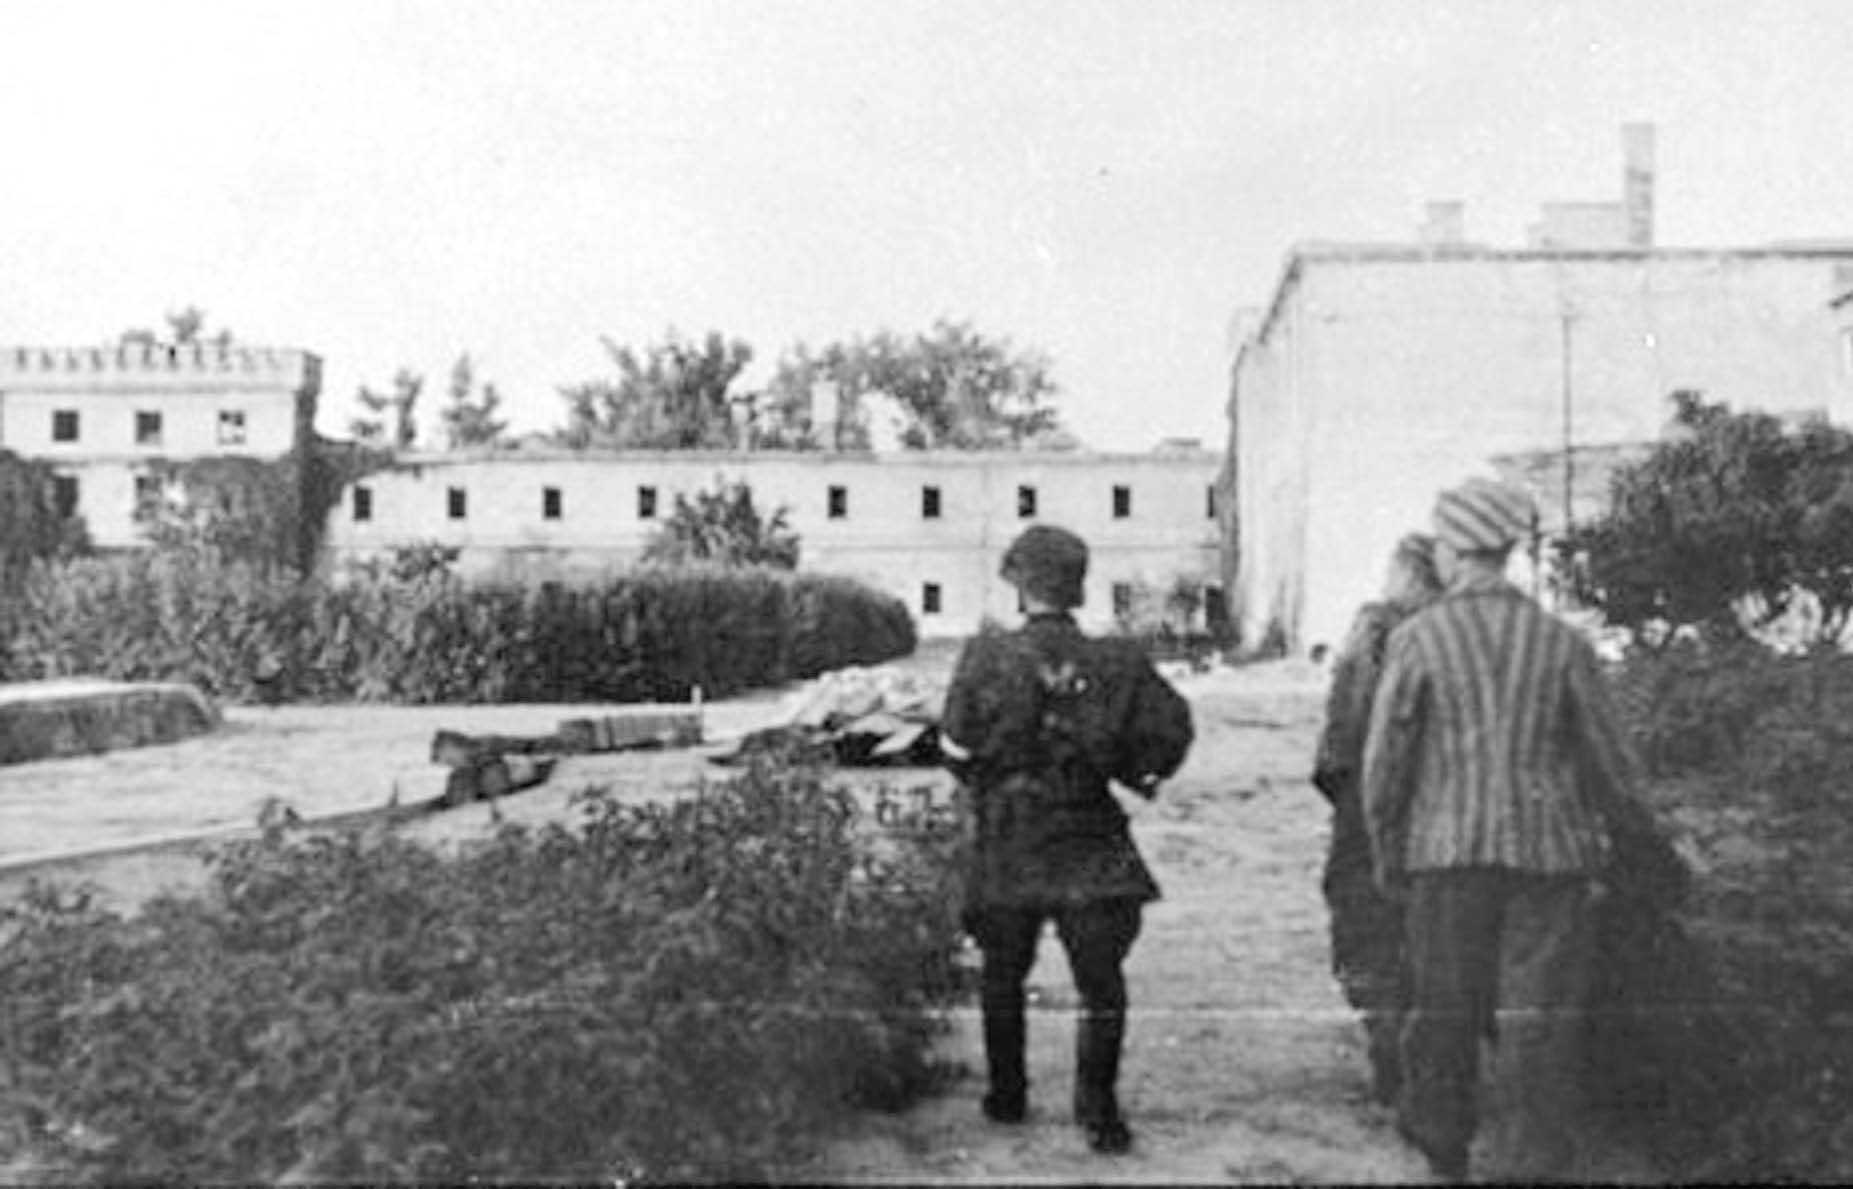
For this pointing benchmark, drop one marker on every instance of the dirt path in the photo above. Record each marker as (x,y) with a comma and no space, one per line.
(1242,1062)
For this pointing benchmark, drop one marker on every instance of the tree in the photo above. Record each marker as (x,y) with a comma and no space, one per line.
(1723,526)
(673,396)
(33,527)
(469,418)
(186,327)
(371,428)
(956,389)
(724,526)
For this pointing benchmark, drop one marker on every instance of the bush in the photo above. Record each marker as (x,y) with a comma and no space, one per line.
(240,631)
(665,991)
(1734,522)
(1748,753)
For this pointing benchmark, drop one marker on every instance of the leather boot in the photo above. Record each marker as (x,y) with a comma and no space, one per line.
(1098,1041)
(1007,1099)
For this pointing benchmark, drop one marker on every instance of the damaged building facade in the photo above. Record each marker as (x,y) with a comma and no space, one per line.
(1379,373)
(929,527)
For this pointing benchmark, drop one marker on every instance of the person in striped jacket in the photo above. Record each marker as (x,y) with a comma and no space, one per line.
(1492,765)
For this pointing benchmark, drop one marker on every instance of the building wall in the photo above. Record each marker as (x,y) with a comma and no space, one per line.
(209,402)
(1380,377)
(883,537)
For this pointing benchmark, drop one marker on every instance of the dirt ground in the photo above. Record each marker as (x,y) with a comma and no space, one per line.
(1242,1065)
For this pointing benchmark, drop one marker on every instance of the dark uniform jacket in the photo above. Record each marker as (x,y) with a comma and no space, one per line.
(1339,763)
(1040,719)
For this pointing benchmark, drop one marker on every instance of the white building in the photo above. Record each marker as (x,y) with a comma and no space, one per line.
(1380,374)
(929,528)
(104,416)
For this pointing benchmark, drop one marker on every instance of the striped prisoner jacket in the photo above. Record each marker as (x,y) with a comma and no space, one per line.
(1492,741)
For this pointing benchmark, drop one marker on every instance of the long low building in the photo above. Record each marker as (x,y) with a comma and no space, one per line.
(928,527)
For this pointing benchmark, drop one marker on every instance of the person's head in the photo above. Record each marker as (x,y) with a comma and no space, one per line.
(1478,523)
(1048,566)
(1413,578)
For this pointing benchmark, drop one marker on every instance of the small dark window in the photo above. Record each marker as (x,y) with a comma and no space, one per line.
(929,598)
(64,495)
(231,427)
(363,503)
(550,503)
(646,503)
(929,503)
(147,495)
(64,425)
(1122,502)
(1215,610)
(839,503)
(459,503)
(1026,503)
(1209,502)
(1122,598)
(147,429)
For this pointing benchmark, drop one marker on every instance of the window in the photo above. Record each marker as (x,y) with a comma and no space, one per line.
(646,503)
(147,429)
(929,503)
(231,427)
(550,503)
(458,499)
(64,495)
(363,503)
(1026,503)
(1215,610)
(839,503)
(1209,501)
(1122,599)
(147,496)
(64,425)
(1122,502)
(929,598)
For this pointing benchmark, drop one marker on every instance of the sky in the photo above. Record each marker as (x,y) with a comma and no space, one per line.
(1105,182)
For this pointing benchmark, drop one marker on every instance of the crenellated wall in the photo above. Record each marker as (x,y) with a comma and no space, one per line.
(132,366)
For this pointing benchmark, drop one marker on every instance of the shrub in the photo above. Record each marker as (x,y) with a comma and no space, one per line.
(723,527)
(1748,752)
(418,634)
(667,991)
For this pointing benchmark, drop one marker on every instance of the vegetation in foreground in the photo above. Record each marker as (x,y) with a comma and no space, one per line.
(660,992)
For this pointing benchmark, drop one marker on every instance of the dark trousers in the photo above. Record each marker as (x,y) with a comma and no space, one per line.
(1097,936)
(1506,951)
(1367,940)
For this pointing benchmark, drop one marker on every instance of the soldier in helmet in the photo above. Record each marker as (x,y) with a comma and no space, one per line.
(1039,722)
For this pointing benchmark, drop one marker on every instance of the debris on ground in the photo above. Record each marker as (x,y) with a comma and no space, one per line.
(484,767)
(859,716)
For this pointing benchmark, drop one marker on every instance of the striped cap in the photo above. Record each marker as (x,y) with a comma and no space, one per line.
(1483,516)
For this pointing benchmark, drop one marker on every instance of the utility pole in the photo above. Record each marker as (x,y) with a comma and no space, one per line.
(1566,317)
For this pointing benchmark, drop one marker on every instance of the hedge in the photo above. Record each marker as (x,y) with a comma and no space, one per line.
(244,633)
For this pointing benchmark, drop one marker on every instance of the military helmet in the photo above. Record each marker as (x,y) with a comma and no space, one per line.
(1049,564)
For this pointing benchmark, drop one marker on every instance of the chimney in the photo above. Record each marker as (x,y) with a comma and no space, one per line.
(1446,225)
(1637,183)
